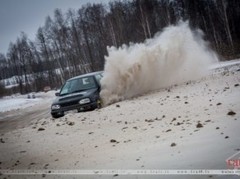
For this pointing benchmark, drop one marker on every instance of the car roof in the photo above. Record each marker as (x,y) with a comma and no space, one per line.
(86,75)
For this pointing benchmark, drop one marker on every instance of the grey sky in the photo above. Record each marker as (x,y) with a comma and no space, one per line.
(27,15)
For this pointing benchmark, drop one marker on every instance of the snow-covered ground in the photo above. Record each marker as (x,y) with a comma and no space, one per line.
(18,102)
(190,126)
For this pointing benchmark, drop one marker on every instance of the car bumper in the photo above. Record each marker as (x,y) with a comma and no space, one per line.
(79,107)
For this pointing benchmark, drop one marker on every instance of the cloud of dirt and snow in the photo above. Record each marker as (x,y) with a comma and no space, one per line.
(173,56)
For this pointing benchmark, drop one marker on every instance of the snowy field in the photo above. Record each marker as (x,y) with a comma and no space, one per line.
(194,125)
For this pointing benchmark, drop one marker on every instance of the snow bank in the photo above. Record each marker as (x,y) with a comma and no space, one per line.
(173,56)
(15,102)
(225,63)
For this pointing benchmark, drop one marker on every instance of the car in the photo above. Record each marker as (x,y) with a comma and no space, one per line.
(79,93)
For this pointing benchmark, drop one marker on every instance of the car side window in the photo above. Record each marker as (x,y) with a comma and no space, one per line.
(88,82)
(98,78)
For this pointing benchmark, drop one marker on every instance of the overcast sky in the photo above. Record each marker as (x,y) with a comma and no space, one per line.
(27,15)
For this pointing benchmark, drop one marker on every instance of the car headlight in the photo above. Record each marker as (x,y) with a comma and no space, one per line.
(84,101)
(56,106)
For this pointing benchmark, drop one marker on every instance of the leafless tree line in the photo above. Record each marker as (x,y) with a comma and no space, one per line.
(75,42)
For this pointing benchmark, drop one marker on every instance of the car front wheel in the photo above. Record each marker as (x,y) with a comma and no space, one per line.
(57,115)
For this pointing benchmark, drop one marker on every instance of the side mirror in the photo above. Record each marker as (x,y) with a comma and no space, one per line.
(57,94)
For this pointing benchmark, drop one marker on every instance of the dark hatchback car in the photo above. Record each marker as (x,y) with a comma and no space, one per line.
(79,93)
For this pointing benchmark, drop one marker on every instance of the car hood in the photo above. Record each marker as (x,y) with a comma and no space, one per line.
(74,96)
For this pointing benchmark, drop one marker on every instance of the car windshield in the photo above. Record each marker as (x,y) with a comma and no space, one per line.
(78,85)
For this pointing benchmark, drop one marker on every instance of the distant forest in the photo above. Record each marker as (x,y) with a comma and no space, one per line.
(75,42)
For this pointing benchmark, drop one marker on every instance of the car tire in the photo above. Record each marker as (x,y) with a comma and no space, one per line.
(56,115)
